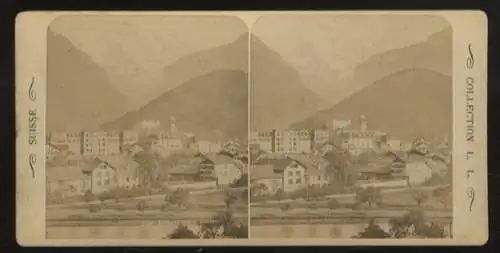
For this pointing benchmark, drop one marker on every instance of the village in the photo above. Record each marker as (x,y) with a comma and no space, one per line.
(86,166)
(350,175)
(294,164)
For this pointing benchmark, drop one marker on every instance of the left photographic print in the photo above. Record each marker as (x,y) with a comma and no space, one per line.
(146,127)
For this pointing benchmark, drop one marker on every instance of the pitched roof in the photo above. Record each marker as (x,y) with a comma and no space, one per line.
(120,162)
(265,171)
(310,162)
(184,169)
(64,173)
(88,165)
(415,157)
(59,147)
(219,159)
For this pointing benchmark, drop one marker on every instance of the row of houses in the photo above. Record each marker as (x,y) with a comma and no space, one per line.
(88,144)
(307,141)
(100,174)
(104,143)
(291,172)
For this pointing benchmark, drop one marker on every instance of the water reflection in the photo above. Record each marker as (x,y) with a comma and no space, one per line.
(95,232)
(335,231)
(287,231)
(312,231)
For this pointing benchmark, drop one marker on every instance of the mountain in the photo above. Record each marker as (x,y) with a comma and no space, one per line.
(434,53)
(79,93)
(407,103)
(211,106)
(231,56)
(278,97)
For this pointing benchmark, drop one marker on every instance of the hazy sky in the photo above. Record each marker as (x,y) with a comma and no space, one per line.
(313,44)
(135,49)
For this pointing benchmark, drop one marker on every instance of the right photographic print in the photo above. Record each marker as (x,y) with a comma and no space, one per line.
(351,124)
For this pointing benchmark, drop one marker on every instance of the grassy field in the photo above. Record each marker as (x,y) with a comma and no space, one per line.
(198,205)
(393,203)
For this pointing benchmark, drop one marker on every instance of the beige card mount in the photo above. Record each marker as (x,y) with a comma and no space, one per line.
(251,128)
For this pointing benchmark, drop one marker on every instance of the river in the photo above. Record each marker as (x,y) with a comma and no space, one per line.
(158,229)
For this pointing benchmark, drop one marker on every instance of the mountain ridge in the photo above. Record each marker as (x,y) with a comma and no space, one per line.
(211,106)
(71,73)
(278,96)
(404,94)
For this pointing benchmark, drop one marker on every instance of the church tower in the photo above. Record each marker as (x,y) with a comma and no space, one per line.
(364,124)
(173,129)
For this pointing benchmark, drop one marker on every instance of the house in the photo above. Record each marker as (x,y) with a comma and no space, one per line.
(67,180)
(107,173)
(224,167)
(294,176)
(264,180)
(315,169)
(206,147)
(186,170)
(52,150)
(417,168)
(126,170)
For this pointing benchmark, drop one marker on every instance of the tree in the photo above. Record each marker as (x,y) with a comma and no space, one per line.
(373,231)
(414,224)
(419,197)
(182,232)
(178,197)
(370,195)
(223,223)
(443,195)
(333,204)
(89,196)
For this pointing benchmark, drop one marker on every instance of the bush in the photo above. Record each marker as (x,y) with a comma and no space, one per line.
(89,197)
(240,182)
(142,205)
(94,208)
(182,232)
(373,231)
(333,204)
(285,207)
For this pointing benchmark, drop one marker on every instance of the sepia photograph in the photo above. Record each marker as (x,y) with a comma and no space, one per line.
(251,128)
(359,145)
(146,127)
